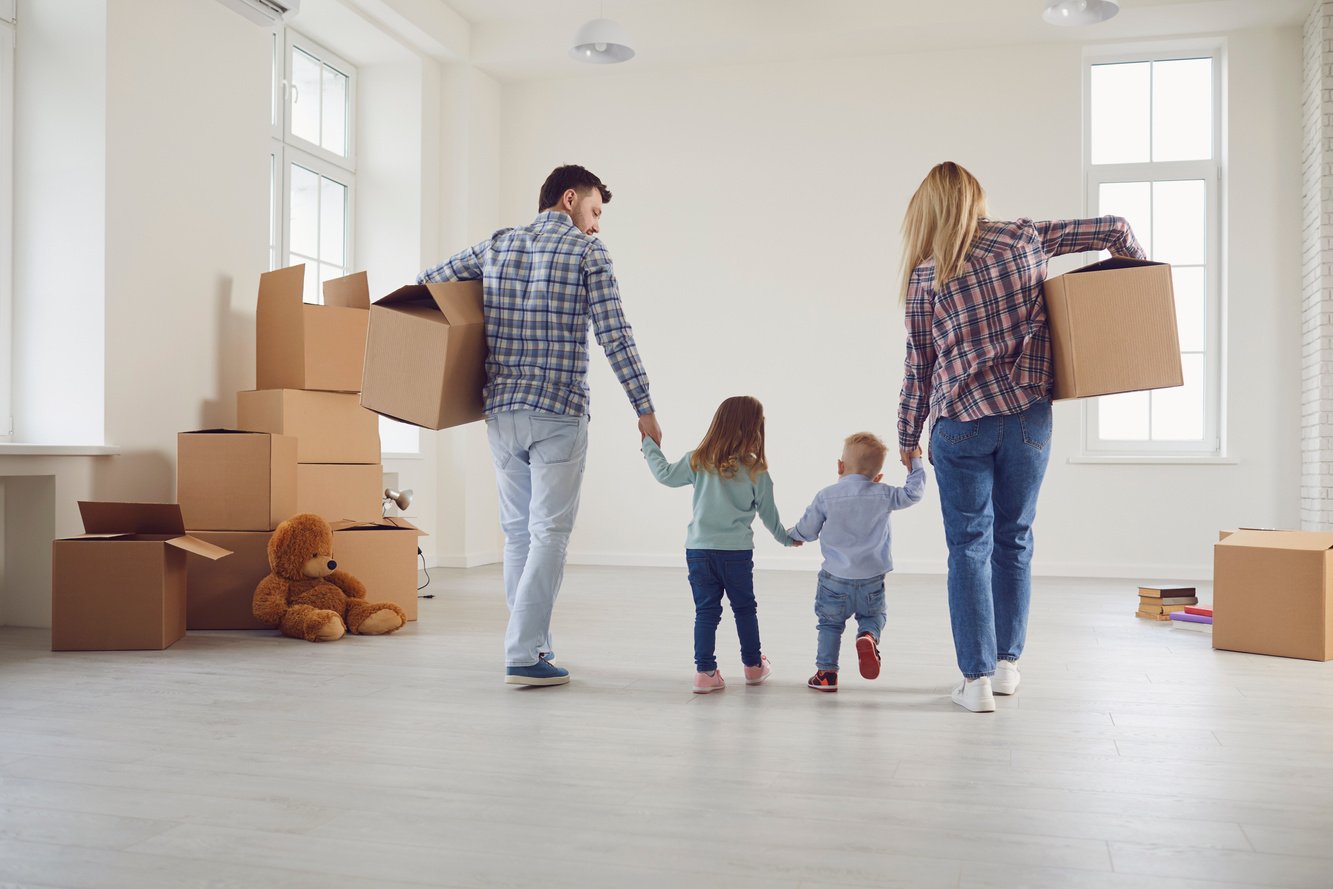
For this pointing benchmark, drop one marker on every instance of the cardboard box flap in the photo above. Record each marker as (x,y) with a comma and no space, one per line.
(288,282)
(384,524)
(460,301)
(1115,262)
(199,547)
(351,292)
(1309,541)
(224,432)
(131,518)
(411,294)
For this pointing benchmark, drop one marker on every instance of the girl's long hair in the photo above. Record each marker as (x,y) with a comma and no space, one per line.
(735,439)
(941,223)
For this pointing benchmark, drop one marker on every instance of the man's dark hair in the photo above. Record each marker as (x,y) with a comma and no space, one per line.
(562,179)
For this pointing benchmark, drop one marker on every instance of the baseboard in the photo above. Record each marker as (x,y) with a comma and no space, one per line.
(467,560)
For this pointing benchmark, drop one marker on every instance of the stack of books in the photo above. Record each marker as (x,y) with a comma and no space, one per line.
(1195,617)
(1160,601)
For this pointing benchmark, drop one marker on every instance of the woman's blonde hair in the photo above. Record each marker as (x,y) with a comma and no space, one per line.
(941,223)
(735,439)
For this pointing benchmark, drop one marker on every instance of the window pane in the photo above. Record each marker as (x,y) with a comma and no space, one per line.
(305,96)
(311,291)
(1179,215)
(399,438)
(304,236)
(328,272)
(1120,119)
(334,136)
(1132,200)
(277,82)
(1123,417)
(1190,285)
(332,220)
(1177,414)
(1182,110)
(272,209)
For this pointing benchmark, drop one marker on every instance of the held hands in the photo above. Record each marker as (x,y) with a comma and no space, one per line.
(648,428)
(906,455)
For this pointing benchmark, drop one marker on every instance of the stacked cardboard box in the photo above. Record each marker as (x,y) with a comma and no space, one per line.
(1159,601)
(303,444)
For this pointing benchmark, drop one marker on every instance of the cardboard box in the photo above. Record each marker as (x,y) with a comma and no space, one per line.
(1272,593)
(121,584)
(305,346)
(234,480)
(426,355)
(219,594)
(382,555)
(341,491)
(329,427)
(1113,328)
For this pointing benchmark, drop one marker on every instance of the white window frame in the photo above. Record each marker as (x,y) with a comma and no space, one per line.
(294,41)
(1212,445)
(8,38)
(292,156)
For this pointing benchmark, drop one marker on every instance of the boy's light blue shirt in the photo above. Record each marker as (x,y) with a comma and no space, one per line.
(724,508)
(850,519)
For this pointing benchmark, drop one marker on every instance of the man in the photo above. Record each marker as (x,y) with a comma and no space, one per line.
(543,284)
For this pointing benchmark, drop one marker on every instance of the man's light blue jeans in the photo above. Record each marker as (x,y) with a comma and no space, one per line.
(989,472)
(539,459)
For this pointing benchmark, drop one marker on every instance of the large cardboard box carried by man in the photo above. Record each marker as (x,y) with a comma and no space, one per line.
(1113,328)
(1273,593)
(121,585)
(426,355)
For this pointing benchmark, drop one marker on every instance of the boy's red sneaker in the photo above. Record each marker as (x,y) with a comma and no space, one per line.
(868,654)
(824,680)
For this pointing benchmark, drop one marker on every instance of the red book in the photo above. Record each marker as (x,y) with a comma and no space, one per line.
(1201,610)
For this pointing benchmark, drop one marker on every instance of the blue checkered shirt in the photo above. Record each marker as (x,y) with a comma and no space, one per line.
(543,283)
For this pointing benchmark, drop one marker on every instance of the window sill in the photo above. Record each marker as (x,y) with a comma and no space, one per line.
(1154,459)
(21,449)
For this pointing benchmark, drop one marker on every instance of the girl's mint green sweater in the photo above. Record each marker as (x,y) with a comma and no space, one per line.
(724,508)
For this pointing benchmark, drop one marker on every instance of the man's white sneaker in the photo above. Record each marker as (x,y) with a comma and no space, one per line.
(975,695)
(1005,680)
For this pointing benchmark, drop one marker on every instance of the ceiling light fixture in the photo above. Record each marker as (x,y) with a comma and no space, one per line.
(601,42)
(1079,12)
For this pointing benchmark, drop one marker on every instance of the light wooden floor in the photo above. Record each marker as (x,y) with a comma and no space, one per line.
(1133,755)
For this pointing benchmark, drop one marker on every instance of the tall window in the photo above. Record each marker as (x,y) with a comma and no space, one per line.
(312,166)
(7,29)
(1152,156)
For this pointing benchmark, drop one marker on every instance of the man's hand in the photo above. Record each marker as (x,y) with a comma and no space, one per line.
(648,427)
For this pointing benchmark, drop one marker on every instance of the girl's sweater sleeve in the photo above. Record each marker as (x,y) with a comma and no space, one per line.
(767,509)
(673,475)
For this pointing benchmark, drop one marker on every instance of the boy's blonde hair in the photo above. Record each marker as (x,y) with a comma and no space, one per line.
(863,453)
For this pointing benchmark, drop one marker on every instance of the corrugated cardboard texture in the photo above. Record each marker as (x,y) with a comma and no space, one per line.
(339,491)
(1113,329)
(329,427)
(238,481)
(116,595)
(1271,593)
(103,517)
(426,354)
(219,594)
(303,346)
(384,558)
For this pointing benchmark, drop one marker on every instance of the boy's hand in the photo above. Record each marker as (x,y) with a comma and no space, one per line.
(906,455)
(796,542)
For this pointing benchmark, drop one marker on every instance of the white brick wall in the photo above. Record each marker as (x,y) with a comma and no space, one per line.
(1317,273)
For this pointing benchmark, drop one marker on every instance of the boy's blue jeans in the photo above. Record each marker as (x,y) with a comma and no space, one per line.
(835,601)
(712,573)
(989,472)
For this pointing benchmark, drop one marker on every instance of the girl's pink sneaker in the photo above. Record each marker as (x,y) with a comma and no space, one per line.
(706,682)
(757,674)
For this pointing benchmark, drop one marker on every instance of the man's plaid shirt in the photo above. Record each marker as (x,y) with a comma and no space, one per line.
(980,346)
(543,283)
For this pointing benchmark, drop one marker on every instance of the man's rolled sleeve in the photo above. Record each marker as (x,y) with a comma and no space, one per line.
(463,266)
(613,332)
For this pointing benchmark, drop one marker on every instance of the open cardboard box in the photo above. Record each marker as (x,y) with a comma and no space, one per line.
(305,346)
(1113,328)
(230,480)
(426,355)
(121,584)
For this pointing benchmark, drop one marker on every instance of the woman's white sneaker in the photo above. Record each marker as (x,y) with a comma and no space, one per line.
(975,695)
(1005,680)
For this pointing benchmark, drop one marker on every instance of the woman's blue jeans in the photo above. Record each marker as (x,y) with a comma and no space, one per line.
(989,472)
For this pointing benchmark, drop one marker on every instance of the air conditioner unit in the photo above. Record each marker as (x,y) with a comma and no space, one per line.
(265,12)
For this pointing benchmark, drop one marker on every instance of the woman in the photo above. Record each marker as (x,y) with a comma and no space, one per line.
(979,360)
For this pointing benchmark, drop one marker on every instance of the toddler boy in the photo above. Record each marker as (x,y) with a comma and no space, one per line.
(850,519)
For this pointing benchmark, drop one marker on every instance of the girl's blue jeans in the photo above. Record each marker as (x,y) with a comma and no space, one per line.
(989,472)
(714,572)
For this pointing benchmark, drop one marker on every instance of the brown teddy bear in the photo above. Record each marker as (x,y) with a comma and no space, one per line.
(307,597)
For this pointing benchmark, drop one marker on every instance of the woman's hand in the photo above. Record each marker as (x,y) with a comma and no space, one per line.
(906,455)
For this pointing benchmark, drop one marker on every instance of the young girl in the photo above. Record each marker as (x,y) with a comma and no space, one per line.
(730,477)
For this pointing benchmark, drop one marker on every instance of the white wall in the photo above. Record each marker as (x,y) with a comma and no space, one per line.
(755,229)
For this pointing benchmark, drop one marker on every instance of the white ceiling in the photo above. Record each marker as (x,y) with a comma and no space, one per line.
(519,39)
